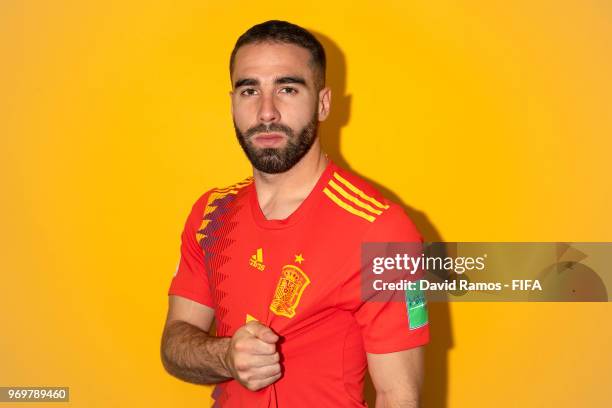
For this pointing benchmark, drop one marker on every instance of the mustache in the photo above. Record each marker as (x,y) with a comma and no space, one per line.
(273,127)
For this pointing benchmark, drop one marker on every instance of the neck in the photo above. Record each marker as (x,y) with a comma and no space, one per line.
(280,194)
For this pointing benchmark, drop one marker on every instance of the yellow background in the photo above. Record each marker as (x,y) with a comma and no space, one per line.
(491,121)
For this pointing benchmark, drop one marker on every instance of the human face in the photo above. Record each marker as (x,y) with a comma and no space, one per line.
(275,104)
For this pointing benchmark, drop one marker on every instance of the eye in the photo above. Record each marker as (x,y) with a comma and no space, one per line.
(248,92)
(289,90)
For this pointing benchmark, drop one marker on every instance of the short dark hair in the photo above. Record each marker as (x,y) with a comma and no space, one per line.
(288,33)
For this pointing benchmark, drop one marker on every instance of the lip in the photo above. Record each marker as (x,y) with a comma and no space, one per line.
(269,139)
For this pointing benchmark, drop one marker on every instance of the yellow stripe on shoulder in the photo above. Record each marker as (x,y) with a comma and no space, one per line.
(347,206)
(353,199)
(360,193)
(234,187)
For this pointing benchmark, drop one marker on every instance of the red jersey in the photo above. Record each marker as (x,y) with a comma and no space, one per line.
(301,277)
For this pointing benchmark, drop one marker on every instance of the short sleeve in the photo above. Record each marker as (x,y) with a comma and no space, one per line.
(385,319)
(190,279)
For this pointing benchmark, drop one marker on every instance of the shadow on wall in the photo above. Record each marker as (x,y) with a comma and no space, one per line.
(434,393)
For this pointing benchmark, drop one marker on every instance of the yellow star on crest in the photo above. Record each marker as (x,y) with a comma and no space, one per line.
(299,259)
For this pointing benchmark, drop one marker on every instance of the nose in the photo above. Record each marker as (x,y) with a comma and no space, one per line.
(267,110)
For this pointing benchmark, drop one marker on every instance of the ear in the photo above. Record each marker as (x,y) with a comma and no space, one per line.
(324,103)
(231,95)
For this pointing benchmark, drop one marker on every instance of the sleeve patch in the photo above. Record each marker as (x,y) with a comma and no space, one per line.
(416,306)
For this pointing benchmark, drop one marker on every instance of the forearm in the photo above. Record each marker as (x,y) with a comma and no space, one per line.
(193,355)
(408,400)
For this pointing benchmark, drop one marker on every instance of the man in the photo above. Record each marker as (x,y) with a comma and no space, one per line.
(275,258)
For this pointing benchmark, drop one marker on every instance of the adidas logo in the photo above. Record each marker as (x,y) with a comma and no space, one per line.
(256,260)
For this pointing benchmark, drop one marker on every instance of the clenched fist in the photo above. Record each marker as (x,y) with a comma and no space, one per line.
(252,357)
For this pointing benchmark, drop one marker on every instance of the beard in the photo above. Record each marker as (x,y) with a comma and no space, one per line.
(278,160)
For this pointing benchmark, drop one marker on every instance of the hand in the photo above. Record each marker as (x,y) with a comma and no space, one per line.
(252,358)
